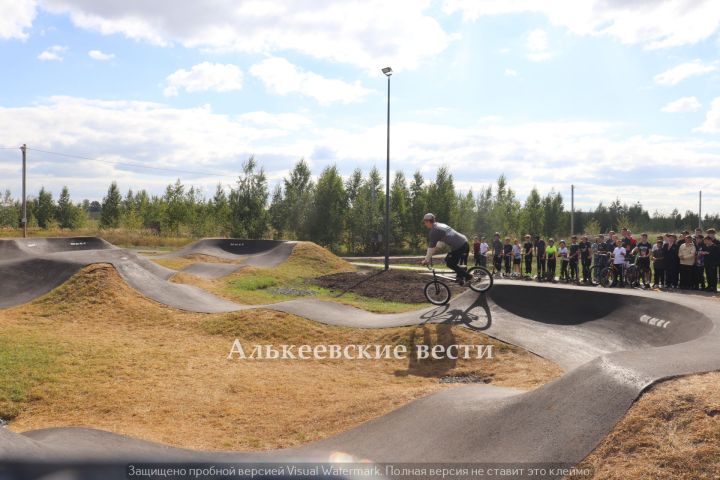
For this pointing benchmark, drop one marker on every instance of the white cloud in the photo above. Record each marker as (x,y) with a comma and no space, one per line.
(652,24)
(99,55)
(53,54)
(712,118)
(204,76)
(282,77)
(17,16)
(545,154)
(366,33)
(684,104)
(537,46)
(683,71)
(509,72)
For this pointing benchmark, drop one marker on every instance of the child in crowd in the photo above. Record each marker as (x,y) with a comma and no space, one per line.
(517,258)
(619,254)
(528,253)
(643,250)
(699,270)
(540,255)
(497,254)
(563,254)
(574,257)
(551,252)
(507,255)
(586,255)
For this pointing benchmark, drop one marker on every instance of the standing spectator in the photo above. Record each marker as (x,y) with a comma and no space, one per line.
(586,255)
(711,259)
(507,255)
(476,250)
(658,263)
(540,254)
(610,242)
(699,268)
(497,253)
(686,253)
(601,255)
(574,257)
(528,252)
(563,254)
(671,260)
(551,252)
(644,251)
(618,254)
(517,258)
(711,234)
(484,247)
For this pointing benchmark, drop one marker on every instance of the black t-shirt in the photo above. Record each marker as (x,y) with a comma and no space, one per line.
(527,247)
(507,249)
(497,248)
(644,249)
(540,245)
(585,250)
(574,249)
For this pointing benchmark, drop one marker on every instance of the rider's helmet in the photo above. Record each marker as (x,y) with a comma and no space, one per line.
(429,216)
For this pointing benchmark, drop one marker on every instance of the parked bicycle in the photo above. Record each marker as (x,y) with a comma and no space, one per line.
(630,275)
(438,293)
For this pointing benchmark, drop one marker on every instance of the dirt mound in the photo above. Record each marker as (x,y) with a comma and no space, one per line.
(394,285)
(92,292)
(317,260)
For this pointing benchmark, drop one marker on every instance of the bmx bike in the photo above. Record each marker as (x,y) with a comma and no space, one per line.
(438,293)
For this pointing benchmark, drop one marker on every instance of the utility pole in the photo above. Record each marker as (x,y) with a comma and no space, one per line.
(23,149)
(572,209)
(700,211)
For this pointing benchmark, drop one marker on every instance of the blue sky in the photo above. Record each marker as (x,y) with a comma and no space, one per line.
(619,98)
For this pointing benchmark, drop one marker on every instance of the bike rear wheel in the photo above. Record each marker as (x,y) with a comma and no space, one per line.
(606,277)
(437,293)
(481,280)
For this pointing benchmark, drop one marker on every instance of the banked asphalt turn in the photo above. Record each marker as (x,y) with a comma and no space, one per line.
(612,345)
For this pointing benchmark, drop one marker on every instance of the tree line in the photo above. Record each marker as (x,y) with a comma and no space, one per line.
(345,215)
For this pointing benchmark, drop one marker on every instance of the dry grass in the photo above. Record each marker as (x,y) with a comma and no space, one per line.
(259,286)
(119,236)
(129,365)
(672,431)
(178,263)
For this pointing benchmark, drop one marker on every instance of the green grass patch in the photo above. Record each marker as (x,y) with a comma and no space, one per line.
(27,366)
(252,282)
(253,286)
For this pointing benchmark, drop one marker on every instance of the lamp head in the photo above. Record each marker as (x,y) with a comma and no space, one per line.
(387,71)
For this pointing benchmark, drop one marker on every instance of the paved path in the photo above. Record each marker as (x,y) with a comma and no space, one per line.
(612,344)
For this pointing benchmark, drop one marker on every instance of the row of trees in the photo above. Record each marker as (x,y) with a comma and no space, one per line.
(342,214)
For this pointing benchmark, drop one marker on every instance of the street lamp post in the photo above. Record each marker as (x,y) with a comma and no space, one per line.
(23,149)
(387,71)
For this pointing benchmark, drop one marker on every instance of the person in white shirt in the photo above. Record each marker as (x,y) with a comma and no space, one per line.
(619,254)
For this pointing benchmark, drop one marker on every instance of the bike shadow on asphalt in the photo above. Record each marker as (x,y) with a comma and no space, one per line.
(476,316)
(436,329)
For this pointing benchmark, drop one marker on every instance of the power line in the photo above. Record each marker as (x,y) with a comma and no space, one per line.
(133,165)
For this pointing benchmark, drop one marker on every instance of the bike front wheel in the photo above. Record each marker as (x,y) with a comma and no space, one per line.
(437,293)
(480,279)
